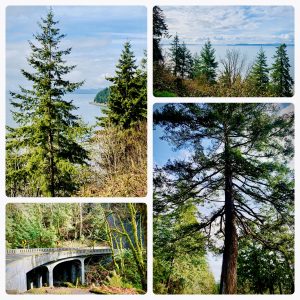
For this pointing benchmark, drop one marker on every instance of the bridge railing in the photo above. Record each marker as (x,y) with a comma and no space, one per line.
(46,250)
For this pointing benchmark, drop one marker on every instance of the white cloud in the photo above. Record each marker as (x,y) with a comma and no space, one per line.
(231,24)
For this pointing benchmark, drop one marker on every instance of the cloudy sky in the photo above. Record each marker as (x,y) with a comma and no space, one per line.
(231,24)
(96,35)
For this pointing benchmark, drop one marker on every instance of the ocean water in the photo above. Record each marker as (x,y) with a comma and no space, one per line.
(249,51)
(87,111)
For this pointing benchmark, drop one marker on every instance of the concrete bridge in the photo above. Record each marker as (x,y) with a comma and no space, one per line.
(33,268)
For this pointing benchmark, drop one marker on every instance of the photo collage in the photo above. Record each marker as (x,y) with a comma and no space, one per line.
(149,149)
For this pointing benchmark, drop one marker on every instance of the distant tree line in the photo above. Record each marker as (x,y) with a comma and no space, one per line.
(180,73)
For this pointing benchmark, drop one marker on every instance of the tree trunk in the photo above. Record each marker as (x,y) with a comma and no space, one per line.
(52,187)
(80,221)
(169,289)
(228,284)
(50,135)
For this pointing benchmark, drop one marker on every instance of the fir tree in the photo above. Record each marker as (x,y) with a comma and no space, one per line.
(281,80)
(238,161)
(46,139)
(185,62)
(127,102)
(160,29)
(175,55)
(259,75)
(205,65)
(181,59)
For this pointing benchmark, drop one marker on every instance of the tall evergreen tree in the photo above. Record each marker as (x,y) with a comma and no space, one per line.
(205,66)
(181,59)
(238,161)
(160,29)
(259,75)
(127,102)
(281,81)
(175,55)
(47,137)
(185,61)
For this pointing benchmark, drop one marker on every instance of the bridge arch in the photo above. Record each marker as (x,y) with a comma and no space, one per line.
(25,268)
(37,277)
(68,270)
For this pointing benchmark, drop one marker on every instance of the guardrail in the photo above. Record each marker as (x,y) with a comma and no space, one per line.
(46,250)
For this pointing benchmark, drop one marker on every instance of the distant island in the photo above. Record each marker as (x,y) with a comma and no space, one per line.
(102,96)
(256,44)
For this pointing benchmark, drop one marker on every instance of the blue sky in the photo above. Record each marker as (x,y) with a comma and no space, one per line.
(96,35)
(231,24)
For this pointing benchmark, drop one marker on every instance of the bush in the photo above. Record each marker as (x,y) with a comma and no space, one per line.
(119,163)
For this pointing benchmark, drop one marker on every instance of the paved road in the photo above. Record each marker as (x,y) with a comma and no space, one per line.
(12,257)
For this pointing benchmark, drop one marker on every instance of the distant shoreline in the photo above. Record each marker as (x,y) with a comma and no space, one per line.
(98,104)
(223,45)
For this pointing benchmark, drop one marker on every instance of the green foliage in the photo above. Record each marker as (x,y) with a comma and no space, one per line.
(281,81)
(266,265)
(175,55)
(123,227)
(160,29)
(43,152)
(197,77)
(25,227)
(205,64)
(164,94)
(181,59)
(180,265)
(102,96)
(52,225)
(263,271)
(130,271)
(127,102)
(115,280)
(259,75)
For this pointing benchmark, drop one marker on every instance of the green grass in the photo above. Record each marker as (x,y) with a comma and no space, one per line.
(164,94)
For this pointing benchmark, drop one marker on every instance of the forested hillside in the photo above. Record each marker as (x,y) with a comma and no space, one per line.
(122,227)
(102,96)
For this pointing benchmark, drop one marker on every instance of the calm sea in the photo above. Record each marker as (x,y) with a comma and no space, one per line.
(250,52)
(87,111)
